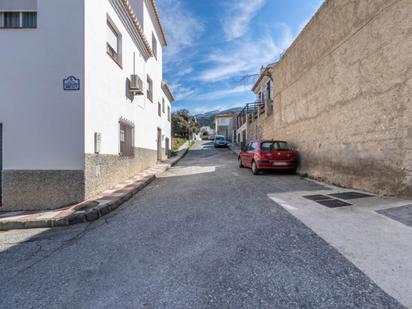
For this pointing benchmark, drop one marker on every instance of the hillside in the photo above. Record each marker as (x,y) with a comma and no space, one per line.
(206,119)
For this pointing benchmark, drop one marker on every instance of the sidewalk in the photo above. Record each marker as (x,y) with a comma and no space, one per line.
(373,232)
(92,209)
(234,148)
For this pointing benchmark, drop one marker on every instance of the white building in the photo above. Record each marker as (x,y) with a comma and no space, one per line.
(60,146)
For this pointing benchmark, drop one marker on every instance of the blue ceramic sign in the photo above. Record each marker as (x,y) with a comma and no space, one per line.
(71,83)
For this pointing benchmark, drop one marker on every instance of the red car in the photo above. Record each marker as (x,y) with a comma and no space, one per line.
(268,155)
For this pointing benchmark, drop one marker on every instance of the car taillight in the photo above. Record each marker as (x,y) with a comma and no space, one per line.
(292,155)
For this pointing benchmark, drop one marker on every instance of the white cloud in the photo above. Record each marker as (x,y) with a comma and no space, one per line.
(240,14)
(222,93)
(181,92)
(247,56)
(183,29)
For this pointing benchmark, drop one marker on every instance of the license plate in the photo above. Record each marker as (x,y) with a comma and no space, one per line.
(280,163)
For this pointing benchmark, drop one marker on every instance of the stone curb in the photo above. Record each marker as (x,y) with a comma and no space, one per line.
(94,213)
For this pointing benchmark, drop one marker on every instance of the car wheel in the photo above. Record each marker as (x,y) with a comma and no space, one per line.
(255,170)
(240,163)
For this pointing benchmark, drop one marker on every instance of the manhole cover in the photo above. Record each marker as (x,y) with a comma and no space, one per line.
(317,197)
(350,195)
(333,203)
(401,214)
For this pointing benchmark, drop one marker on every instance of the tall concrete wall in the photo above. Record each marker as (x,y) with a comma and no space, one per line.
(343,95)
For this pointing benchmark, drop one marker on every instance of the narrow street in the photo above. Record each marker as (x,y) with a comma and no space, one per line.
(204,235)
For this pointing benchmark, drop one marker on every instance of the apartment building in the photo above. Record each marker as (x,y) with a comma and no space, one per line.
(83,104)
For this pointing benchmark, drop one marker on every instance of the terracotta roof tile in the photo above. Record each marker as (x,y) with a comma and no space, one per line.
(138,26)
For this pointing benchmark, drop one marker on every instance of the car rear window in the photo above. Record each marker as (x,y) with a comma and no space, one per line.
(274,146)
(220,138)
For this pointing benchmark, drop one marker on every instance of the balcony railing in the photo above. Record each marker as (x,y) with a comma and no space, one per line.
(250,112)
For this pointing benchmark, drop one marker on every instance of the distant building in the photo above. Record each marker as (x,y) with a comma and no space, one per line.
(222,123)
(208,130)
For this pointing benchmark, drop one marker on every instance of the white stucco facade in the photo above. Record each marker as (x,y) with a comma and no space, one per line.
(46,128)
(106,100)
(43,126)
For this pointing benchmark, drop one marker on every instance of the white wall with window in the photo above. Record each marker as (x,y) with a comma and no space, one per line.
(106,99)
(38,116)
(57,48)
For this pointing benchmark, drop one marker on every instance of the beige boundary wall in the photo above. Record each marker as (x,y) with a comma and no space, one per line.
(343,95)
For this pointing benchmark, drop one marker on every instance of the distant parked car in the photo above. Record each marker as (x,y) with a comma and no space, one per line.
(220,141)
(268,155)
(211,138)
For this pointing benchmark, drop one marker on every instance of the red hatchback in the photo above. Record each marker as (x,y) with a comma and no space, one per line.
(268,155)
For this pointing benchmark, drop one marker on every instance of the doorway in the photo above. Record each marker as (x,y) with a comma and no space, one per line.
(159,144)
(167,147)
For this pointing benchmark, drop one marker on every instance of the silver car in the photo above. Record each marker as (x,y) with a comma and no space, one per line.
(220,141)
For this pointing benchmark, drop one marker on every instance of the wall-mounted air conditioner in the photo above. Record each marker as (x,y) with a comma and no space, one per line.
(136,85)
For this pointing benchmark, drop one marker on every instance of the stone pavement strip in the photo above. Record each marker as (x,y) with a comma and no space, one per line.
(89,210)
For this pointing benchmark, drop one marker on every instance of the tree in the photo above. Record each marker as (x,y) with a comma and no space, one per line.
(184,124)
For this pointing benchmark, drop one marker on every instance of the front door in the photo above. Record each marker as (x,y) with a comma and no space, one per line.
(1,164)
(159,144)
(167,147)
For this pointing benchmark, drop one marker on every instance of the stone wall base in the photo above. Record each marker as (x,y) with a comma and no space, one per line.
(38,190)
(363,174)
(52,189)
(104,171)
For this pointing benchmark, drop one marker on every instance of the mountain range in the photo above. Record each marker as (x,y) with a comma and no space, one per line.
(206,119)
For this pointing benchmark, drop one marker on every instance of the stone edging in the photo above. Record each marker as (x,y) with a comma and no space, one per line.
(103,207)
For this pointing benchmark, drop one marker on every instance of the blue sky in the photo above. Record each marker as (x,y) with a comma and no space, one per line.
(212,44)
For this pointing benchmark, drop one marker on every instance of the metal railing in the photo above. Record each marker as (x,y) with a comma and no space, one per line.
(250,112)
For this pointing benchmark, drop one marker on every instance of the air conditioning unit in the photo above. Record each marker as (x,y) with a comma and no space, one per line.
(136,85)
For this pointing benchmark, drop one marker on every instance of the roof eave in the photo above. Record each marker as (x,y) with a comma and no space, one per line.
(163,39)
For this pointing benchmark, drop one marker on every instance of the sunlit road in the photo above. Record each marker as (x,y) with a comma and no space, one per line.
(205,235)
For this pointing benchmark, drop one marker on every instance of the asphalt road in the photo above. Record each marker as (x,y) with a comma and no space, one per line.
(203,236)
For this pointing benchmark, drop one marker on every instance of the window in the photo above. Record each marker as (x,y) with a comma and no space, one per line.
(270,146)
(168,113)
(126,139)
(159,109)
(253,146)
(268,91)
(149,88)
(154,45)
(14,20)
(113,42)
(29,20)
(163,105)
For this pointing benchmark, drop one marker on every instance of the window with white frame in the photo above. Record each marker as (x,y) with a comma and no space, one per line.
(168,114)
(154,45)
(149,88)
(18,20)
(113,42)
(159,109)
(163,105)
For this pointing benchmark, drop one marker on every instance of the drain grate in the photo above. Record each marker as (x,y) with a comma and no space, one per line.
(317,197)
(350,195)
(333,203)
(401,214)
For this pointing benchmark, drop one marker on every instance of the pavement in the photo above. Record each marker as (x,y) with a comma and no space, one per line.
(92,209)
(205,234)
